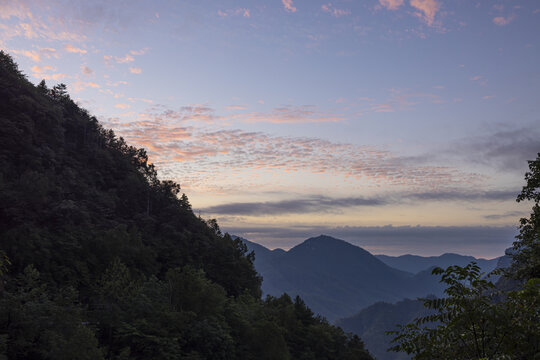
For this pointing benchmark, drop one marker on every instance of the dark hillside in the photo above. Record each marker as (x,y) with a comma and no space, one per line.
(372,323)
(99,258)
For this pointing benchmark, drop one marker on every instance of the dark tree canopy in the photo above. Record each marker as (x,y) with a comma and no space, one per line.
(527,256)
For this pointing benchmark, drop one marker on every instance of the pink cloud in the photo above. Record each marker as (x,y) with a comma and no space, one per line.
(41,69)
(139,52)
(235,107)
(289,6)
(387,108)
(121,106)
(429,8)
(72,49)
(126,59)
(116,83)
(29,31)
(36,55)
(120,60)
(81,85)
(232,12)
(135,70)
(391,4)
(54,77)
(148,101)
(199,157)
(503,21)
(10,9)
(334,11)
(480,79)
(86,70)
(289,115)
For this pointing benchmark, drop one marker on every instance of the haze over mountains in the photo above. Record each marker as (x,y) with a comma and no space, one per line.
(414,263)
(338,279)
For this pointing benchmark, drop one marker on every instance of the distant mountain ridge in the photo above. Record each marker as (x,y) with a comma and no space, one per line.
(415,263)
(372,322)
(336,278)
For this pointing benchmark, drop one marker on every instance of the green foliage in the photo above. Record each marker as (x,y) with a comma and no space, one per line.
(468,324)
(108,261)
(527,257)
(38,323)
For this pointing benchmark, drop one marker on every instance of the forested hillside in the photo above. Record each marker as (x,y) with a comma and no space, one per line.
(99,258)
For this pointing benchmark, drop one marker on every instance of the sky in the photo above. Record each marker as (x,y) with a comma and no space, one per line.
(402,126)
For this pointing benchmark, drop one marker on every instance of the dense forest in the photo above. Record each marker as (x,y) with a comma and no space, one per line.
(100,259)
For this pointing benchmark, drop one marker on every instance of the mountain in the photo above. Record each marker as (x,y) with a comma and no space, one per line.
(336,278)
(414,263)
(101,259)
(372,323)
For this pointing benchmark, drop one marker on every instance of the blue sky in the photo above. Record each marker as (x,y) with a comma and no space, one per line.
(284,119)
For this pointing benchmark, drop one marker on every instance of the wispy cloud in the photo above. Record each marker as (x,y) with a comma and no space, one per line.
(428,9)
(148,101)
(37,55)
(235,107)
(506,215)
(41,69)
(391,4)
(174,144)
(383,108)
(139,52)
(479,79)
(289,115)
(288,5)
(503,149)
(125,59)
(135,70)
(312,204)
(503,21)
(234,12)
(86,70)
(10,9)
(329,8)
(55,77)
(325,204)
(118,59)
(72,49)
(81,85)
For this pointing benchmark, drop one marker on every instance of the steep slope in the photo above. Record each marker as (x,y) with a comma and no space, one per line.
(372,323)
(336,278)
(414,263)
(101,259)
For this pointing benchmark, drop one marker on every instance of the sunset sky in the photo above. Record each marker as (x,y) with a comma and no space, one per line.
(402,126)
